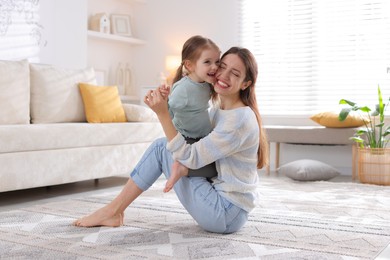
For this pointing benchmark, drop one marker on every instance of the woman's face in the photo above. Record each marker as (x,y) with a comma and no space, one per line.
(230,76)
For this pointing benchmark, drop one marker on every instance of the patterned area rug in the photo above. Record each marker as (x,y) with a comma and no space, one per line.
(313,220)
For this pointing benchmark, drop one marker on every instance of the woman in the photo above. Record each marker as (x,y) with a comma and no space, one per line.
(237,144)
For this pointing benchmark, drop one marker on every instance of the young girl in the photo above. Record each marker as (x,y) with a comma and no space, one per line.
(189,100)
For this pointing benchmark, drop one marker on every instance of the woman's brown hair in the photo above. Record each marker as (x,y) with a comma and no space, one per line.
(248,97)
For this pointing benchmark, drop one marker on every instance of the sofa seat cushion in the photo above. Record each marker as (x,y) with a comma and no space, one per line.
(22,138)
(14,92)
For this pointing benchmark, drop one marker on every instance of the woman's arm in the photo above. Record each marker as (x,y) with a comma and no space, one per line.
(235,131)
(159,104)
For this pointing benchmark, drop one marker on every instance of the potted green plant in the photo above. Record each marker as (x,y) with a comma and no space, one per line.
(376,135)
(372,139)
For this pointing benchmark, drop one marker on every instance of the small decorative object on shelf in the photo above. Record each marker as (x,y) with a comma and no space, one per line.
(119,79)
(123,79)
(128,80)
(121,24)
(100,23)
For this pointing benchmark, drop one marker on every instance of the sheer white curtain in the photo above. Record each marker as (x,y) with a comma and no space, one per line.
(312,53)
(20,32)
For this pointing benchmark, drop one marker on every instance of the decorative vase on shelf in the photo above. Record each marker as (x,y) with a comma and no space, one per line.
(128,80)
(119,79)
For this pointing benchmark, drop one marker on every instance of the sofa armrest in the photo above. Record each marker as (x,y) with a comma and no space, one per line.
(138,113)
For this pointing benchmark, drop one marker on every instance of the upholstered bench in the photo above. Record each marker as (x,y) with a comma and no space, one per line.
(310,135)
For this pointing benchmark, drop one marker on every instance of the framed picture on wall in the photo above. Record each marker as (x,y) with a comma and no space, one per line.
(121,25)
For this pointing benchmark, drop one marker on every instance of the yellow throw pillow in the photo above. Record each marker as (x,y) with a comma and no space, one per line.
(102,104)
(331,119)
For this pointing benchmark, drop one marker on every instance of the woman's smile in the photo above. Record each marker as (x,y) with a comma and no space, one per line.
(222,84)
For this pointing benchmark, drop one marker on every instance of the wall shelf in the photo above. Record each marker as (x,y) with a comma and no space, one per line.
(113,37)
(106,51)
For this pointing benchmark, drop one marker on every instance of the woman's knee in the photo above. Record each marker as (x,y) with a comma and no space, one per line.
(158,149)
(162,141)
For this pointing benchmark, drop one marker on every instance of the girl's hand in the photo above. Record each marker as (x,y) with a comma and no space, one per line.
(157,101)
(164,90)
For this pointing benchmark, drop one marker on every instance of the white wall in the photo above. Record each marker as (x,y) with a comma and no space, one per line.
(165,25)
(64,29)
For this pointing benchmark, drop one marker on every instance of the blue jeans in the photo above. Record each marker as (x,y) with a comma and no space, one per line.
(210,210)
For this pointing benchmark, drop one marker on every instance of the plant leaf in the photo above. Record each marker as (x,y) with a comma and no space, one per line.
(362,131)
(357,139)
(344,101)
(381,106)
(372,135)
(376,111)
(387,131)
(344,113)
(365,109)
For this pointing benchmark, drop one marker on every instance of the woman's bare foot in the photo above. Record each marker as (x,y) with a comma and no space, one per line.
(101,217)
(178,171)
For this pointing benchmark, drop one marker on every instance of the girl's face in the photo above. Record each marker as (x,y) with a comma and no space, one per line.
(205,67)
(230,76)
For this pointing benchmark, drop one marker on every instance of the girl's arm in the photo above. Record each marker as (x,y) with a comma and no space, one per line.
(159,104)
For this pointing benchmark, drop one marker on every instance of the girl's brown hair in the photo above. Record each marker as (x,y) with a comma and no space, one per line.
(248,97)
(191,51)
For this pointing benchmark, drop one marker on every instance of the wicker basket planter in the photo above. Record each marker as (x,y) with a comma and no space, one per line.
(374,165)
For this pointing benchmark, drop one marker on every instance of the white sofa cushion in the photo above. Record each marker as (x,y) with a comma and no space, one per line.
(39,137)
(14,92)
(138,113)
(55,95)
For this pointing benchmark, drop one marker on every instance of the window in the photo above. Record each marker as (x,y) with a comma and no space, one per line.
(312,53)
(20,33)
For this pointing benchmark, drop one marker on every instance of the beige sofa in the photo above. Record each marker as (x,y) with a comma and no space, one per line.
(45,139)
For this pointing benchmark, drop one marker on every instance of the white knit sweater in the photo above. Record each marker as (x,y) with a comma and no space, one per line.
(233,145)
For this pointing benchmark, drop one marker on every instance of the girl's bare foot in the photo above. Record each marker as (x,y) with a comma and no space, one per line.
(101,217)
(178,171)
